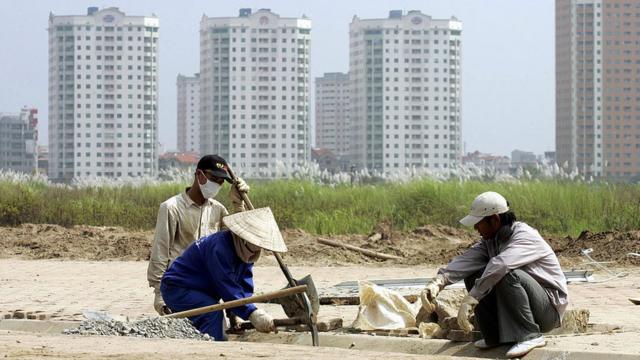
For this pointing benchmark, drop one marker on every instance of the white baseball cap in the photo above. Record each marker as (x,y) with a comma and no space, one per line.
(486,204)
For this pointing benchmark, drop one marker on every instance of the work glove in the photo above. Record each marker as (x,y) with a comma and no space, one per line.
(159,305)
(240,186)
(430,292)
(262,321)
(466,308)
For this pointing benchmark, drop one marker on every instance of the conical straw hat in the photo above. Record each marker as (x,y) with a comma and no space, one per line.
(257,227)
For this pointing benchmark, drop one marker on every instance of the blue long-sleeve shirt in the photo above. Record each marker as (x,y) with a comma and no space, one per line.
(210,265)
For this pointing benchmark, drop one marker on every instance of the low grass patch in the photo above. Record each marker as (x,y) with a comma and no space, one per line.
(553,207)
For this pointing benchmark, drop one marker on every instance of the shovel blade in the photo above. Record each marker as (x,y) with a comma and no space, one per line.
(292,305)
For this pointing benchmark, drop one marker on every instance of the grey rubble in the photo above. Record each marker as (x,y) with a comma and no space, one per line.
(149,328)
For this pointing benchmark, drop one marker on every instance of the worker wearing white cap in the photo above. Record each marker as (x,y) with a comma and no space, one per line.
(220,267)
(513,277)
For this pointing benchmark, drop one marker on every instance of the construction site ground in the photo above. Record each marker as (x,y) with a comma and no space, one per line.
(61,274)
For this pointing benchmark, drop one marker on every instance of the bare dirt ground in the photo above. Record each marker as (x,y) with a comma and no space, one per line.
(431,244)
(65,271)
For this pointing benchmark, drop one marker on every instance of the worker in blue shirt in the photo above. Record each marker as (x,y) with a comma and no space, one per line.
(220,267)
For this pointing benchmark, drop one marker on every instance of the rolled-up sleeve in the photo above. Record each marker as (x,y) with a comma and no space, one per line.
(462,266)
(166,228)
(523,249)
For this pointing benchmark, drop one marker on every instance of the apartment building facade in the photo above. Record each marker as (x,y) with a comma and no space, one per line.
(405,92)
(18,141)
(103,80)
(254,90)
(188,131)
(598,87)
(332,121)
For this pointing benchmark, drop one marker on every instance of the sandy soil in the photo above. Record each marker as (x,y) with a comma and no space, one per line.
(64,289)
(15,345)
(431,244)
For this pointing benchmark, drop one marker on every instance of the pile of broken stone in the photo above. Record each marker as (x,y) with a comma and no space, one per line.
(148,328)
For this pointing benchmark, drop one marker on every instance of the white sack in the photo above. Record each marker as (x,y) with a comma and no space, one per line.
(381,308)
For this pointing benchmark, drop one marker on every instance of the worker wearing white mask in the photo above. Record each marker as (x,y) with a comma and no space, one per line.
(189,216)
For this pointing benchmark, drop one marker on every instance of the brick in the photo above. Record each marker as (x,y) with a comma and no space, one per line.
(19,314)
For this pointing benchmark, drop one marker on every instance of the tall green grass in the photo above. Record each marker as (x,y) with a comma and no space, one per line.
(552,207)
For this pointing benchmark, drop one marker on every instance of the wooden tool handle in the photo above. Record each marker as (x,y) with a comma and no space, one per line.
(277,322)
(239,302)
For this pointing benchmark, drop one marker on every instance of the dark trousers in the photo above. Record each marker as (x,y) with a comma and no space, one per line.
(181,299)
(517,309)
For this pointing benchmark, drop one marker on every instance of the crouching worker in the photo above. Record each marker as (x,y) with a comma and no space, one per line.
(513,277)
(220,267)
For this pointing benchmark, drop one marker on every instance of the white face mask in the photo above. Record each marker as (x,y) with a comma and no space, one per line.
(210,189)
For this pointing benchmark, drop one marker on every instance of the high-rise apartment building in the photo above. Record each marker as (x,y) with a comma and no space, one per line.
(188,113)
(18,141)
(598,87)
(254,90)
(405,92)
(333,107)
(102,95)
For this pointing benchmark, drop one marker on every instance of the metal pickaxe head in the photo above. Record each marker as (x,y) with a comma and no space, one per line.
(292,305)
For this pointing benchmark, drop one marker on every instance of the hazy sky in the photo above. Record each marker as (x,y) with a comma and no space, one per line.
(507,57)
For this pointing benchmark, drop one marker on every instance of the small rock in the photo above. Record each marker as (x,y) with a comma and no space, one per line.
(448,303)
(574,321)
(427,330)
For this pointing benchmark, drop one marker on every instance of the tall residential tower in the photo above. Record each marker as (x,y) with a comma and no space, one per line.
(188,113)
(18,141)
(598,87)
(332,113)
(404,72)
(102,95)
(254,90)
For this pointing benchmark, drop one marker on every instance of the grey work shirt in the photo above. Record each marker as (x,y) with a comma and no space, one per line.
(524,249)
(180,222)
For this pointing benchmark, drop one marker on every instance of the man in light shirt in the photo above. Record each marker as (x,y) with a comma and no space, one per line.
(188,216)
(513,277)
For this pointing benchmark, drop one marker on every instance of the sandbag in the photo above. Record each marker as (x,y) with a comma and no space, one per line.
(382,308)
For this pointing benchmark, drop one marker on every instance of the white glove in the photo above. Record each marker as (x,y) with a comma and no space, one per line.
(262,321)
(468,303)
(159,305)
(240,186)
(430,292)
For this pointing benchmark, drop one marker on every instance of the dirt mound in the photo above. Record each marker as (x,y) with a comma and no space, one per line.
(607,246)
(433,244)
(429,244)
(38,241)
